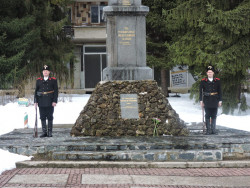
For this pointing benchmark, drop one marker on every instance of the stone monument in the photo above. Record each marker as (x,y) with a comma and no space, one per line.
(126,108)
(128,100)
(126,41)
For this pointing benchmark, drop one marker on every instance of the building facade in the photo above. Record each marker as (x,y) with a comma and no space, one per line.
(89,36)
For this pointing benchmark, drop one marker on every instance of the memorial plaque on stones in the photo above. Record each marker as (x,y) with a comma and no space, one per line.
(129,106)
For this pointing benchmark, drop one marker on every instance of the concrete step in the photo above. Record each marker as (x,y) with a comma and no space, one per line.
(63,125)
(235,144)
(133,164)
(78,146)
(141,155)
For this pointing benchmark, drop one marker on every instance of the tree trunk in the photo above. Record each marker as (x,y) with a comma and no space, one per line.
(21,90)
(164,84)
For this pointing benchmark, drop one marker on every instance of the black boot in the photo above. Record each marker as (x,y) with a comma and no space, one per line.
(213,126)
(208,126)
(50,125)
(44,128)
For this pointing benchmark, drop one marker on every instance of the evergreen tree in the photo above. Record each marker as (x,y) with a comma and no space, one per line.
(157,37)
(16,38)
(31,35)
(212,32)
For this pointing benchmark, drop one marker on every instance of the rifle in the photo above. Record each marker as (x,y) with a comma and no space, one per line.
(203,121)
(35,135)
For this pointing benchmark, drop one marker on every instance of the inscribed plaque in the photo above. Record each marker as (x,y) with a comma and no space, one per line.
(129,106)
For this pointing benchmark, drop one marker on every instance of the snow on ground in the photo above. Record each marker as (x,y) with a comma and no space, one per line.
(189,111)
(66,112)
(8,160)
(69,107)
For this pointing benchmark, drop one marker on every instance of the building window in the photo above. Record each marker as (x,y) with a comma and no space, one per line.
(97,14)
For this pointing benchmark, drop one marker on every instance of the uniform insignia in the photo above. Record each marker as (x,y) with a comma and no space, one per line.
(46,67)
(53,78)
(204,79)
(217,79)
(39,78)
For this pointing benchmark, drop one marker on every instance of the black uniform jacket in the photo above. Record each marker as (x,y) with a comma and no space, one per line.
(207,89)
(41,97)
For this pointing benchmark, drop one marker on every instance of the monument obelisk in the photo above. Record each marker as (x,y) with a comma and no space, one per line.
(126,41)
(128,100)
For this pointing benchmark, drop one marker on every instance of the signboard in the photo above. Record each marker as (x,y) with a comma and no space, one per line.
(23,101)
(179,78)
(129,106)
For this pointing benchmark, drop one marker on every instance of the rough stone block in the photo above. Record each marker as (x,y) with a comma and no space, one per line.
(111,147)
(31,151)
(88,157)
(246,147)
(131,147)
(72,156)
(123,147)
(218,155)
(137,157)
(187,156)
(50,148)
(59,157)
(90,148)
(102,147)
(21,151)
(161,157)
(208,153)
(141,147)
(41,149)
(173,156)
(149,157)
(124,156)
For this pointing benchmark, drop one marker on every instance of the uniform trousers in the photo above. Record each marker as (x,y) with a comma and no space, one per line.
(46,113)
(211,112)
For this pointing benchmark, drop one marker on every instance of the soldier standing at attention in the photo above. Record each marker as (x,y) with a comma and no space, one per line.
(46,95)
(210,99)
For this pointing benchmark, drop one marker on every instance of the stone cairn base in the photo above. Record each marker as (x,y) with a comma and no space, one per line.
(102,114)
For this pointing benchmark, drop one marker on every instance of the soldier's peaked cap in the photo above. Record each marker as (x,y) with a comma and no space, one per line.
(46,67)
(210,67)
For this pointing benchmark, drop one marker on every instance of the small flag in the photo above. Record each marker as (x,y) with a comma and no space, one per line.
(25,120)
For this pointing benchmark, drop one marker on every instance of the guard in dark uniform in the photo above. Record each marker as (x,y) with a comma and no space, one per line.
(210,99)
(46,95)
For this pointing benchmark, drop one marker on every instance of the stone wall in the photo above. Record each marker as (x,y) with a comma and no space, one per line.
(102,114)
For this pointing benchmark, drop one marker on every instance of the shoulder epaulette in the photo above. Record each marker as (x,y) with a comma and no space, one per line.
(204,79)
(53,78)
(217,79)
(40,78)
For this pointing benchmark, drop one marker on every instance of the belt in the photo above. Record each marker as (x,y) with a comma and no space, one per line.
(47,92)
(207,94)
(214,93)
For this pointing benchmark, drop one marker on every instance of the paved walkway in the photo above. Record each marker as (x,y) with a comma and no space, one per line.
(126,177)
